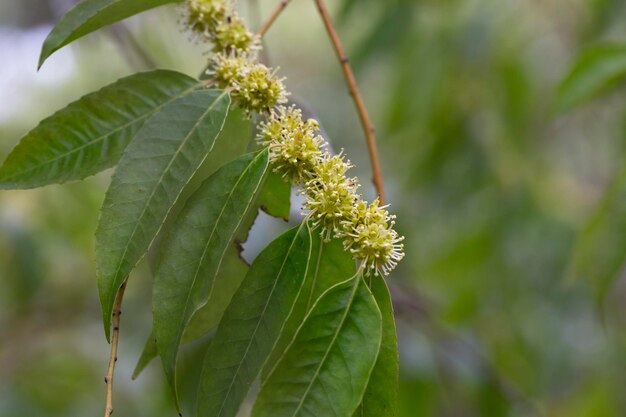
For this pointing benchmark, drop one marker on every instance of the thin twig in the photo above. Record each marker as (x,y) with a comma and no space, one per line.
(270,21)
(108,379)
(368,127)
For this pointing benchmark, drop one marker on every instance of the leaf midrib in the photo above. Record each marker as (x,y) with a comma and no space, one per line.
(102,137)
(330,346)
(313,284)
(174,156)
(70,36)
(230,387)
(179,332)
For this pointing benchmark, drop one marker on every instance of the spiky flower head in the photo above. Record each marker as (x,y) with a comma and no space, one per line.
(330,195)
(258,89)
(370,236)
(295,145)
(227,68)
(203,16)
(231,34)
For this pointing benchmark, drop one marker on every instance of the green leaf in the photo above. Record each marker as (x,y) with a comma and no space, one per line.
(329,265)
(152,173)
(275,198)
(90,134)
(335,265)
(149,352)
(231,143)
(600,251)
(194,250)
(253,322)
(327,367)
(595,71)
(90,15)
(381,396)
(231,273)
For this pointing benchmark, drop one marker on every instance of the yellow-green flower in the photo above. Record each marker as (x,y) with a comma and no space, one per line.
(370,236)
(203,16)
(226,69)
(330,195)
(295,145)
(231,34)
(253,87)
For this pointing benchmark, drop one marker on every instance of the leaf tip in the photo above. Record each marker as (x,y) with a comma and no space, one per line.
(44,55)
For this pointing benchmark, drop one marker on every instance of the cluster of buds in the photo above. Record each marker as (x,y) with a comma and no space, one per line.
(297,150)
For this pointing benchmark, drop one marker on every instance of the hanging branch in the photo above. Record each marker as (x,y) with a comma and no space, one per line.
(108,379)
(366,122)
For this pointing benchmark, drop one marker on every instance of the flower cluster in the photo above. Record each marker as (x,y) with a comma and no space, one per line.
(252,85)
(330,195)
(214,20)
(370,236)
(297,150)
(295,145)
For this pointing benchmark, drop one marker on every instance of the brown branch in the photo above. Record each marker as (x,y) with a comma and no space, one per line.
(270,21)
(368,127)
(108,379)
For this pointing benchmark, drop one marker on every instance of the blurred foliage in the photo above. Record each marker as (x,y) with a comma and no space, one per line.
(512,210)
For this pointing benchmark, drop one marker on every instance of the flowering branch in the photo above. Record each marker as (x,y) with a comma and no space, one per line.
(368,126)
(297,150)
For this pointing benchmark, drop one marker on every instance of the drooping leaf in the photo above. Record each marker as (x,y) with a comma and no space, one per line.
(89,16)
(90,134)
(194,250)
(231,143)
(600,251)
(152,173)
(149,352)
(326,368)
(252,323)
(596,69)
(329,265)
(231,273)
(381,396)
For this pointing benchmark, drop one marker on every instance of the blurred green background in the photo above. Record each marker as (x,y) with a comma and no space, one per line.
(506,181)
